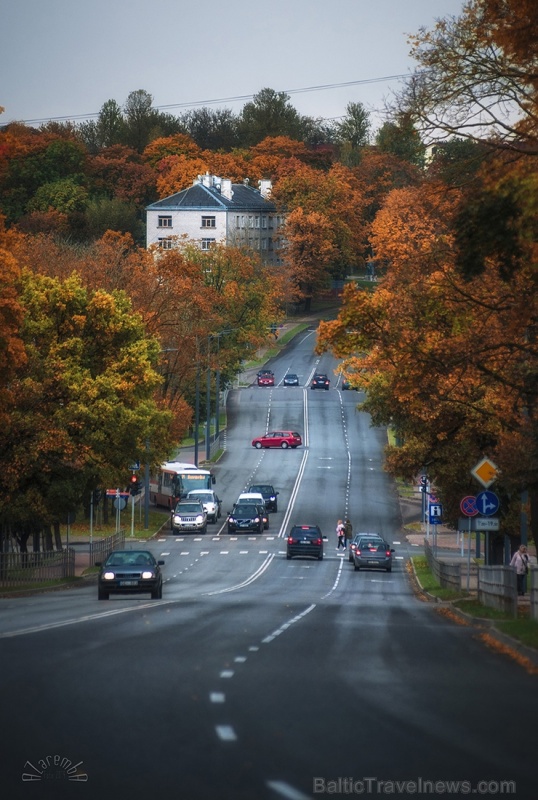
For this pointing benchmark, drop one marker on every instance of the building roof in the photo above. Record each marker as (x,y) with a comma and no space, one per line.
(202,198)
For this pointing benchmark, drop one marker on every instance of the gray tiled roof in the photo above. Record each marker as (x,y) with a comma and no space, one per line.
(200,197)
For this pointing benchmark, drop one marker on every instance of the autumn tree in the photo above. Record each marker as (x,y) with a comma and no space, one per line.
(336,197)
(83,404)
(476,75)
(446,358)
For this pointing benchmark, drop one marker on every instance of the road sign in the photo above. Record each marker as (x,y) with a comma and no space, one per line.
(485,472)
(486,523)
(487,503)
(478,524)
(468,506)
(116,493)
(436,513)
(135,466)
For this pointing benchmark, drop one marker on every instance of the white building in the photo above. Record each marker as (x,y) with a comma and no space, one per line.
(215,210)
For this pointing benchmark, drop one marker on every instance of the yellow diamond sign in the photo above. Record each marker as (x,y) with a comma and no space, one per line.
(485,472)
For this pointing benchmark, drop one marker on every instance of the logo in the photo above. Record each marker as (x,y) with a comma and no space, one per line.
(57,768)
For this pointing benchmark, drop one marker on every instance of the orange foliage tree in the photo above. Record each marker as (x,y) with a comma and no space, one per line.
(445,358)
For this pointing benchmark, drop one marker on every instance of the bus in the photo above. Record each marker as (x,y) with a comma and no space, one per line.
(175,480)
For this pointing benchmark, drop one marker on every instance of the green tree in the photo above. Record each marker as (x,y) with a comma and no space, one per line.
(64,195)
(269,114)
(355,126)
(401,138)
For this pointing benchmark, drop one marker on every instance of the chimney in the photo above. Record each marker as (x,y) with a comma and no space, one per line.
(207,180)
(226,188)
(265,188)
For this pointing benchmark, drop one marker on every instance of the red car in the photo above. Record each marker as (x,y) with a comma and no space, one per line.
(266,378)
(281,439)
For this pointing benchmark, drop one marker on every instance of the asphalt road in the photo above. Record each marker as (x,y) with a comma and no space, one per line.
(258,677)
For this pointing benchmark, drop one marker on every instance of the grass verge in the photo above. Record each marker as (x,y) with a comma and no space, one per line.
(429,582)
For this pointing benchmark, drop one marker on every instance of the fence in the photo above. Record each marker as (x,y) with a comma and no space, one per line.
(21,569)
(497,588)
(101,549)
(496,585)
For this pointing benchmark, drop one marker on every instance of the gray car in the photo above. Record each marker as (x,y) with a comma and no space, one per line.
(357,539)
(373,555)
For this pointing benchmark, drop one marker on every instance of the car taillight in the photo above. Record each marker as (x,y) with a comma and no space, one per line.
(317,541)
(290,539)
(358,552)
(387,553)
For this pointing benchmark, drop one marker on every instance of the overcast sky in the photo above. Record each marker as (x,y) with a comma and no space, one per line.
(65,58)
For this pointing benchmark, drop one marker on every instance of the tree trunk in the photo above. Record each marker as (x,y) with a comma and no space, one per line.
(57,535)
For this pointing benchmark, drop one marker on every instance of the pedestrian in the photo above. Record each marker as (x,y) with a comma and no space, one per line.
(341,534)
(520,560)
(348,527)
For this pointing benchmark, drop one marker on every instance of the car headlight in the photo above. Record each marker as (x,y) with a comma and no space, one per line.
(272,498)
(232,520)
(257,519)
(108,576)
(199,519)
(177,520)
(147,574)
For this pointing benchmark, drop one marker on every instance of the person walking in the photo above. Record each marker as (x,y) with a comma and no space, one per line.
(520,560)
(348,528)
(341,534)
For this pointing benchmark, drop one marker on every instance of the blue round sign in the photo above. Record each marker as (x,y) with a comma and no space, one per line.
(487,503)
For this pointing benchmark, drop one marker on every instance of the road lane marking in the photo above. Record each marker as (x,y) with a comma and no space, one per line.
(226,733)
(217,697)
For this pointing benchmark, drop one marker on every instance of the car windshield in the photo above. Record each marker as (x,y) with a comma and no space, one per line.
(205,497)
(247,510)
(133,557)
(262,489)
(188,508)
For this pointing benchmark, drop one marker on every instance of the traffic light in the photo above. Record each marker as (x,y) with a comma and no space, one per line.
(97,494)
(134,485)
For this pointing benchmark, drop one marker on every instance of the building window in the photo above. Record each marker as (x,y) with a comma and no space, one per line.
(164,222)
(207,244)
(208,222)
(166,244)
(264,243)
(264,222)
(256,222)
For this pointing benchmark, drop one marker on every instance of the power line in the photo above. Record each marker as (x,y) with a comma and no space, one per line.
(236,98)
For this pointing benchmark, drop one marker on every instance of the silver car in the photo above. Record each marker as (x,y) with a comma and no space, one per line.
(373,555)
(189,517)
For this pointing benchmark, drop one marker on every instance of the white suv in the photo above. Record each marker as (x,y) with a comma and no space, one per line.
(209,501)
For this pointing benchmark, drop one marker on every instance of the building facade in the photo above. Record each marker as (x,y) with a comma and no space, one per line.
(216,211)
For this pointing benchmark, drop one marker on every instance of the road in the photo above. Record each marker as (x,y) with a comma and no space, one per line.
(259,677)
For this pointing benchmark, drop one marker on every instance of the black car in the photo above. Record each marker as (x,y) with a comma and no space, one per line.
(320,381)
(373,554)
(305,540)
(268,493)
(130,572)
(245,518)
(291,379)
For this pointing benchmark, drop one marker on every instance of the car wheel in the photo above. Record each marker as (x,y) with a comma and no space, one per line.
(275,509)
(204,530)
(284,445)
(266,527)
(389,569)
(258,445)
(320,557)
(356,568)
(157,594)
(229,530)
(288,556)
(101,595)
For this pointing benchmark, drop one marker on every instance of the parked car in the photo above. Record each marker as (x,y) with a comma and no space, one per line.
(209,501)
(281,439)
(130,572)
(320,381)
(373,554)
(245,518)
(368,537)
(266,378)
(305,540)
(189,517)
(291,379)
(269,494)
(257,499)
